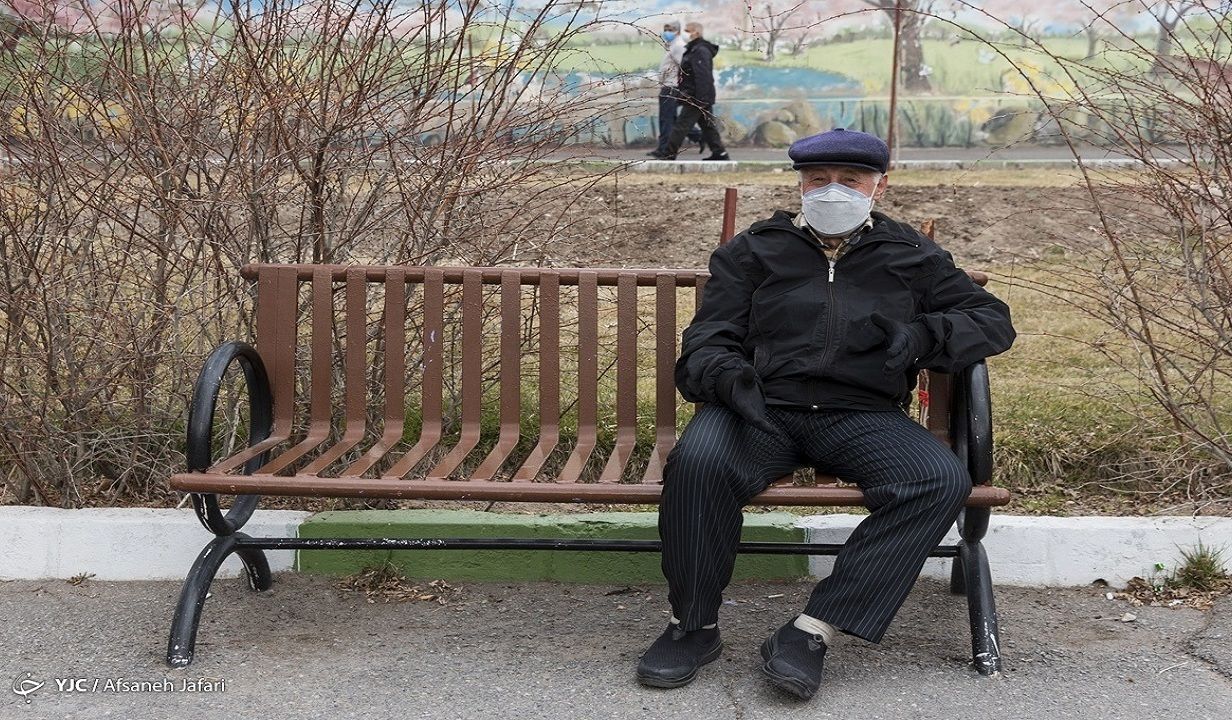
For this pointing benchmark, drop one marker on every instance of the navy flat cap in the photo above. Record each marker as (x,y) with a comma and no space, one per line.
(840,147)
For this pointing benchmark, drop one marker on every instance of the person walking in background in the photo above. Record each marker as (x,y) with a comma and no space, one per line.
(669,77)
(696,97)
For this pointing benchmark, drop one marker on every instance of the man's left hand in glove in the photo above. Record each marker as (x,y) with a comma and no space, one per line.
(906,343)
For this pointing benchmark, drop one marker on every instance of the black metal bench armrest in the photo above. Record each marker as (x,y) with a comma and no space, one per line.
(198,451)
(972,422)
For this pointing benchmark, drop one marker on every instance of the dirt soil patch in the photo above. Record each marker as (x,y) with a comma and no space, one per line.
(675,220)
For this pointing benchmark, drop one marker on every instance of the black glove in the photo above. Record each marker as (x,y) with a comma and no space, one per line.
(905,342)
(740,390)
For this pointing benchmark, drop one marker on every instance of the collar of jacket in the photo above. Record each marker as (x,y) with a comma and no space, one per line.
(714,49)
(884,229)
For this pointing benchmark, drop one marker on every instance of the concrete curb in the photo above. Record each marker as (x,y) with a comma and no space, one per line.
(1059,551)
(121,543)
(161,544)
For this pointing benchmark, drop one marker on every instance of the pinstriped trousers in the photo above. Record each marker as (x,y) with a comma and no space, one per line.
(913,484)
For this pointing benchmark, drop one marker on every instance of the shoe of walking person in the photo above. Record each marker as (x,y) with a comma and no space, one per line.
(794,659)
(721,156)
(662,155)
(674,658)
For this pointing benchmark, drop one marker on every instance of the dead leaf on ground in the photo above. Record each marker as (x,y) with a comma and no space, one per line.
(387,584)
(1139,592)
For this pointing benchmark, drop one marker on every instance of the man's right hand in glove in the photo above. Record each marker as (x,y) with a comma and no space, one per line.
(740,390)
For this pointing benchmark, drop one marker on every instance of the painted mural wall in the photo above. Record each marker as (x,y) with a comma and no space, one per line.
(971,70)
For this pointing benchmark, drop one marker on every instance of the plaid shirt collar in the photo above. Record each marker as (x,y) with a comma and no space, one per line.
(837,251)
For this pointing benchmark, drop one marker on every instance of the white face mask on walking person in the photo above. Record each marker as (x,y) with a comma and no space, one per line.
(836,201)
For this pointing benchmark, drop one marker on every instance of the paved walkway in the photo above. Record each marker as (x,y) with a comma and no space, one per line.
(983,157)
(307,649)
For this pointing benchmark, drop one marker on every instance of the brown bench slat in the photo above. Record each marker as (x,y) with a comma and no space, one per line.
(626,379)
(279,289)
(439,489)
(549,378)
(395,376)
(665,380)
(588,377)
(472,375)
(432,387)
(355,399)
(510,376)
(321,406)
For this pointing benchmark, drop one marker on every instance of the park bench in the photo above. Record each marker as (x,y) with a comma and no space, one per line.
(486,334)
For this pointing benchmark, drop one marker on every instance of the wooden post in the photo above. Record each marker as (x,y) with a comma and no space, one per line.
(891,134)
(729,216)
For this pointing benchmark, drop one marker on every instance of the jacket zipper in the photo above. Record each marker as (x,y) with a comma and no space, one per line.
(827,355)
(831,320)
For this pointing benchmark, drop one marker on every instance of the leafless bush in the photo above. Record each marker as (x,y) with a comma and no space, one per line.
(151,148)
(1162,283)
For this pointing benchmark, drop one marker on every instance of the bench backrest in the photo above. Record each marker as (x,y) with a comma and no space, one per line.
(595,347)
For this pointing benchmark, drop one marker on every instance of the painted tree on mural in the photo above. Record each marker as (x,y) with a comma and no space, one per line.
(915,14)
(1170,14)
(769,26)
(84,17)
(801,20)
(777,22)
(1096,18)
(1025,25)
(796,23)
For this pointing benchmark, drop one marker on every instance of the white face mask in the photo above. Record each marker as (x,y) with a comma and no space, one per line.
(835,210)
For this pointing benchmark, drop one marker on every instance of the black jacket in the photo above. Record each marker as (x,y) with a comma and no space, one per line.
(697,72)
(774,300)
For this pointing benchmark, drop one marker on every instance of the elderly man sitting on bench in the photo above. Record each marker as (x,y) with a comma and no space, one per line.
(805,350)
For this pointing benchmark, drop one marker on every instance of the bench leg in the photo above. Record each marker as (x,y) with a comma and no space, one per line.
(970,574)
(958,579)
(184,623)
(985,639)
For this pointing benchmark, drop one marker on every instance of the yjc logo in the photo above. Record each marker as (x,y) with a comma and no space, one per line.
(26,686)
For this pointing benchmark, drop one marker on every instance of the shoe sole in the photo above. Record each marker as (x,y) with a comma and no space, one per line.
(783,682)
(680,682)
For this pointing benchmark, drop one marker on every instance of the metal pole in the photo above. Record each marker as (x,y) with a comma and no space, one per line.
(891,134)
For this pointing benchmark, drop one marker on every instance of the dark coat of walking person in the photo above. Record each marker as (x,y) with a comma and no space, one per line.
(811,331)
(696,97)
(669,78)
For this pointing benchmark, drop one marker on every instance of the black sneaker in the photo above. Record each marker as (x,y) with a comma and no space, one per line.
(662,155)
(717,156)
(793,660)
(674,658)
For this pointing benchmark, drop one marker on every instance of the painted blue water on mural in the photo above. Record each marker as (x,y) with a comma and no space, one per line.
(761,81)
